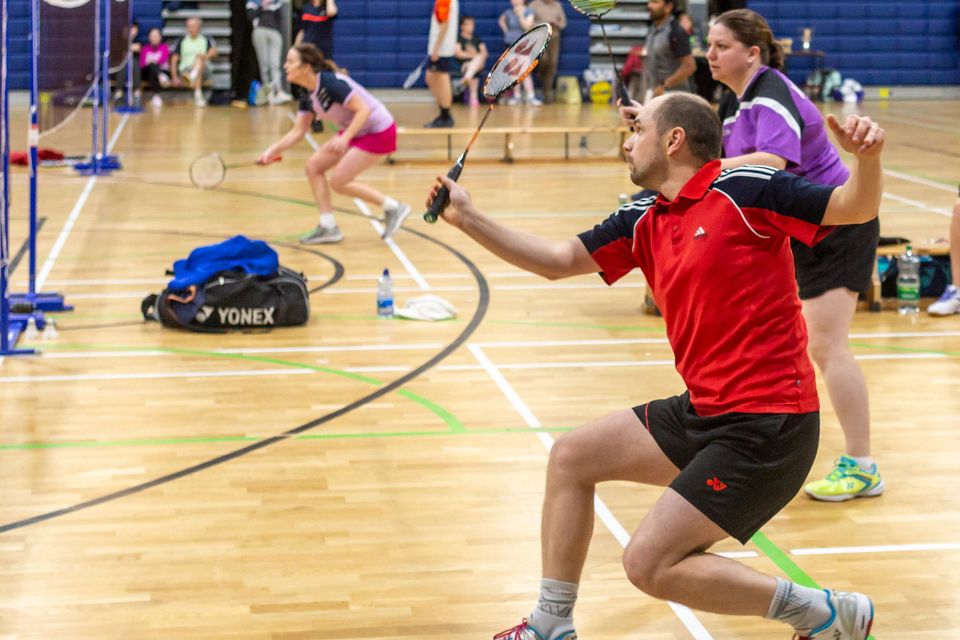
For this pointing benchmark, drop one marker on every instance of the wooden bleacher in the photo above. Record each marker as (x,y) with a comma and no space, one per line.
(508,134)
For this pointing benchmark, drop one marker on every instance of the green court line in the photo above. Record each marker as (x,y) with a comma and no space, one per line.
(783,561)
(453,424)
(881,347)
(144,442)
(578,325)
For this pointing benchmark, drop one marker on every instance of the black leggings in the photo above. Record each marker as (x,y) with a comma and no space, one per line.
(151,73)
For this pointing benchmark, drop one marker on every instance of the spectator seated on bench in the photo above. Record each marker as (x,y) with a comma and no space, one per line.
(473,54)
(190,60)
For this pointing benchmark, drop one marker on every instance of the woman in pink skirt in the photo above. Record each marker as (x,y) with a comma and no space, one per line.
(367,133)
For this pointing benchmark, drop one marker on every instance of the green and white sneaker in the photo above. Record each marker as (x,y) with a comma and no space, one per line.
(846,482)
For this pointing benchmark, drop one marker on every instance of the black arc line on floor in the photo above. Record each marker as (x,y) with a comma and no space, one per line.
(471,327)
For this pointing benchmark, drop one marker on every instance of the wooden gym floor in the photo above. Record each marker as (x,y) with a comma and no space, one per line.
(147,491)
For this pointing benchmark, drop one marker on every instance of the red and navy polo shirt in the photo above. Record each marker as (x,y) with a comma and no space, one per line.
(717,260)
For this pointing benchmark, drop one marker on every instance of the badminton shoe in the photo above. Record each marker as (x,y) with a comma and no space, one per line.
(323,235)
(851,616)
(394,219)
(948,304)
(524,631)
(439,122)
(848,480)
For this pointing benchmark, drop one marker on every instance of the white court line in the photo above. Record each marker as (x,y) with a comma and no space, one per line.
(397,251)
(74,214)
(157,376)
(336,291)
(882,548)
(923,181)
(687,617)
(142,353)
(916,203)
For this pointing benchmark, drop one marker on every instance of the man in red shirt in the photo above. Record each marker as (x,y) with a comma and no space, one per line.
(736,446)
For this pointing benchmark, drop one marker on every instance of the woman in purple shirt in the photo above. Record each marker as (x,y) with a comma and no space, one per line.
(367,133)
(768,121)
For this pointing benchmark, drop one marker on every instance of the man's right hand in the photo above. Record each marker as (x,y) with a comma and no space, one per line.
(460,202)
(628,112)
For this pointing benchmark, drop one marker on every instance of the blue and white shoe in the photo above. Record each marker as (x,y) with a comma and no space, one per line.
(851,616)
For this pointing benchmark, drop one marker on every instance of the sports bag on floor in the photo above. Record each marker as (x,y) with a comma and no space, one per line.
(233,298)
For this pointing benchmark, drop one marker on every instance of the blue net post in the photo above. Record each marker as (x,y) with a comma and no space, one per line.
(32,299)
(11,325)
(131,105)
(101,162)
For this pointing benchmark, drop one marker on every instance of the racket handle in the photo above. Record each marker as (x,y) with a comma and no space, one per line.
(624,96)
(443,196)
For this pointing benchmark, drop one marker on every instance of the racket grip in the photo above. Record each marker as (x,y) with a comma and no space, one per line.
(624,96)
(443,196)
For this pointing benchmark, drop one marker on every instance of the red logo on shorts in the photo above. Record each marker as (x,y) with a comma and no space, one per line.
(716,483)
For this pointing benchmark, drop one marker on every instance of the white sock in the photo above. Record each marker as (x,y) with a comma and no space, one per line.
(802,608)
(389,203)
(865,463)
(553,614)
(327,221)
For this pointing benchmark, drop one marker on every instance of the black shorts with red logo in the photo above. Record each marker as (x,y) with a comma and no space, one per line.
(739,469)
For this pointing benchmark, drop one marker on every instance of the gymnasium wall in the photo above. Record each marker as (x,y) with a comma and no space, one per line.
(881,42)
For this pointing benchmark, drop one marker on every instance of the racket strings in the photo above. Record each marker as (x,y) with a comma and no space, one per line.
(593,8)
(207,171)
(517,61)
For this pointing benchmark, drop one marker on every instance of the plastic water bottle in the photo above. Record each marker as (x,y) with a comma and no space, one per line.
(385,295)
(908,283)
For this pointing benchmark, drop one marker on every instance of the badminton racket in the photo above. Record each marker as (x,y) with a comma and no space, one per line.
(207,172)
(601,140)
(414,75)
(596,9)
(514,65)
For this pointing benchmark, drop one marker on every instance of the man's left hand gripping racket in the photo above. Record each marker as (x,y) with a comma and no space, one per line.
(514,65)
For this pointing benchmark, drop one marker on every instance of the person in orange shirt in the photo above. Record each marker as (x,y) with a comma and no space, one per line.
(442,48)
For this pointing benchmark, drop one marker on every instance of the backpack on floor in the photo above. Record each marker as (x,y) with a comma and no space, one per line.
(234,285)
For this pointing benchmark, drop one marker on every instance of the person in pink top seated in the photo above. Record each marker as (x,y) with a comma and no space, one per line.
(367,134)
(154,57)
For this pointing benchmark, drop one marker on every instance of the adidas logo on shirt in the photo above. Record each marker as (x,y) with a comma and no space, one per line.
(699,233)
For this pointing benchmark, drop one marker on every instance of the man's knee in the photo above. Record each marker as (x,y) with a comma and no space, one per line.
(566,457)
(644,569)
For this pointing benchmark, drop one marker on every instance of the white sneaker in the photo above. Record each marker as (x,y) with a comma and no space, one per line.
(948,304)
(534,101)
(156,101)
(164,79)
(851,618)
(323,235)
(394,219)
(282,97)
(198,99)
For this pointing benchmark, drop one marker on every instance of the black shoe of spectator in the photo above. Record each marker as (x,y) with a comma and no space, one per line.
(317,126)
(439,123)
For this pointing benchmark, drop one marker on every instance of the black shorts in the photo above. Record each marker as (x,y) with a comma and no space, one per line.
(845,258)
(444,65)
(739,469)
